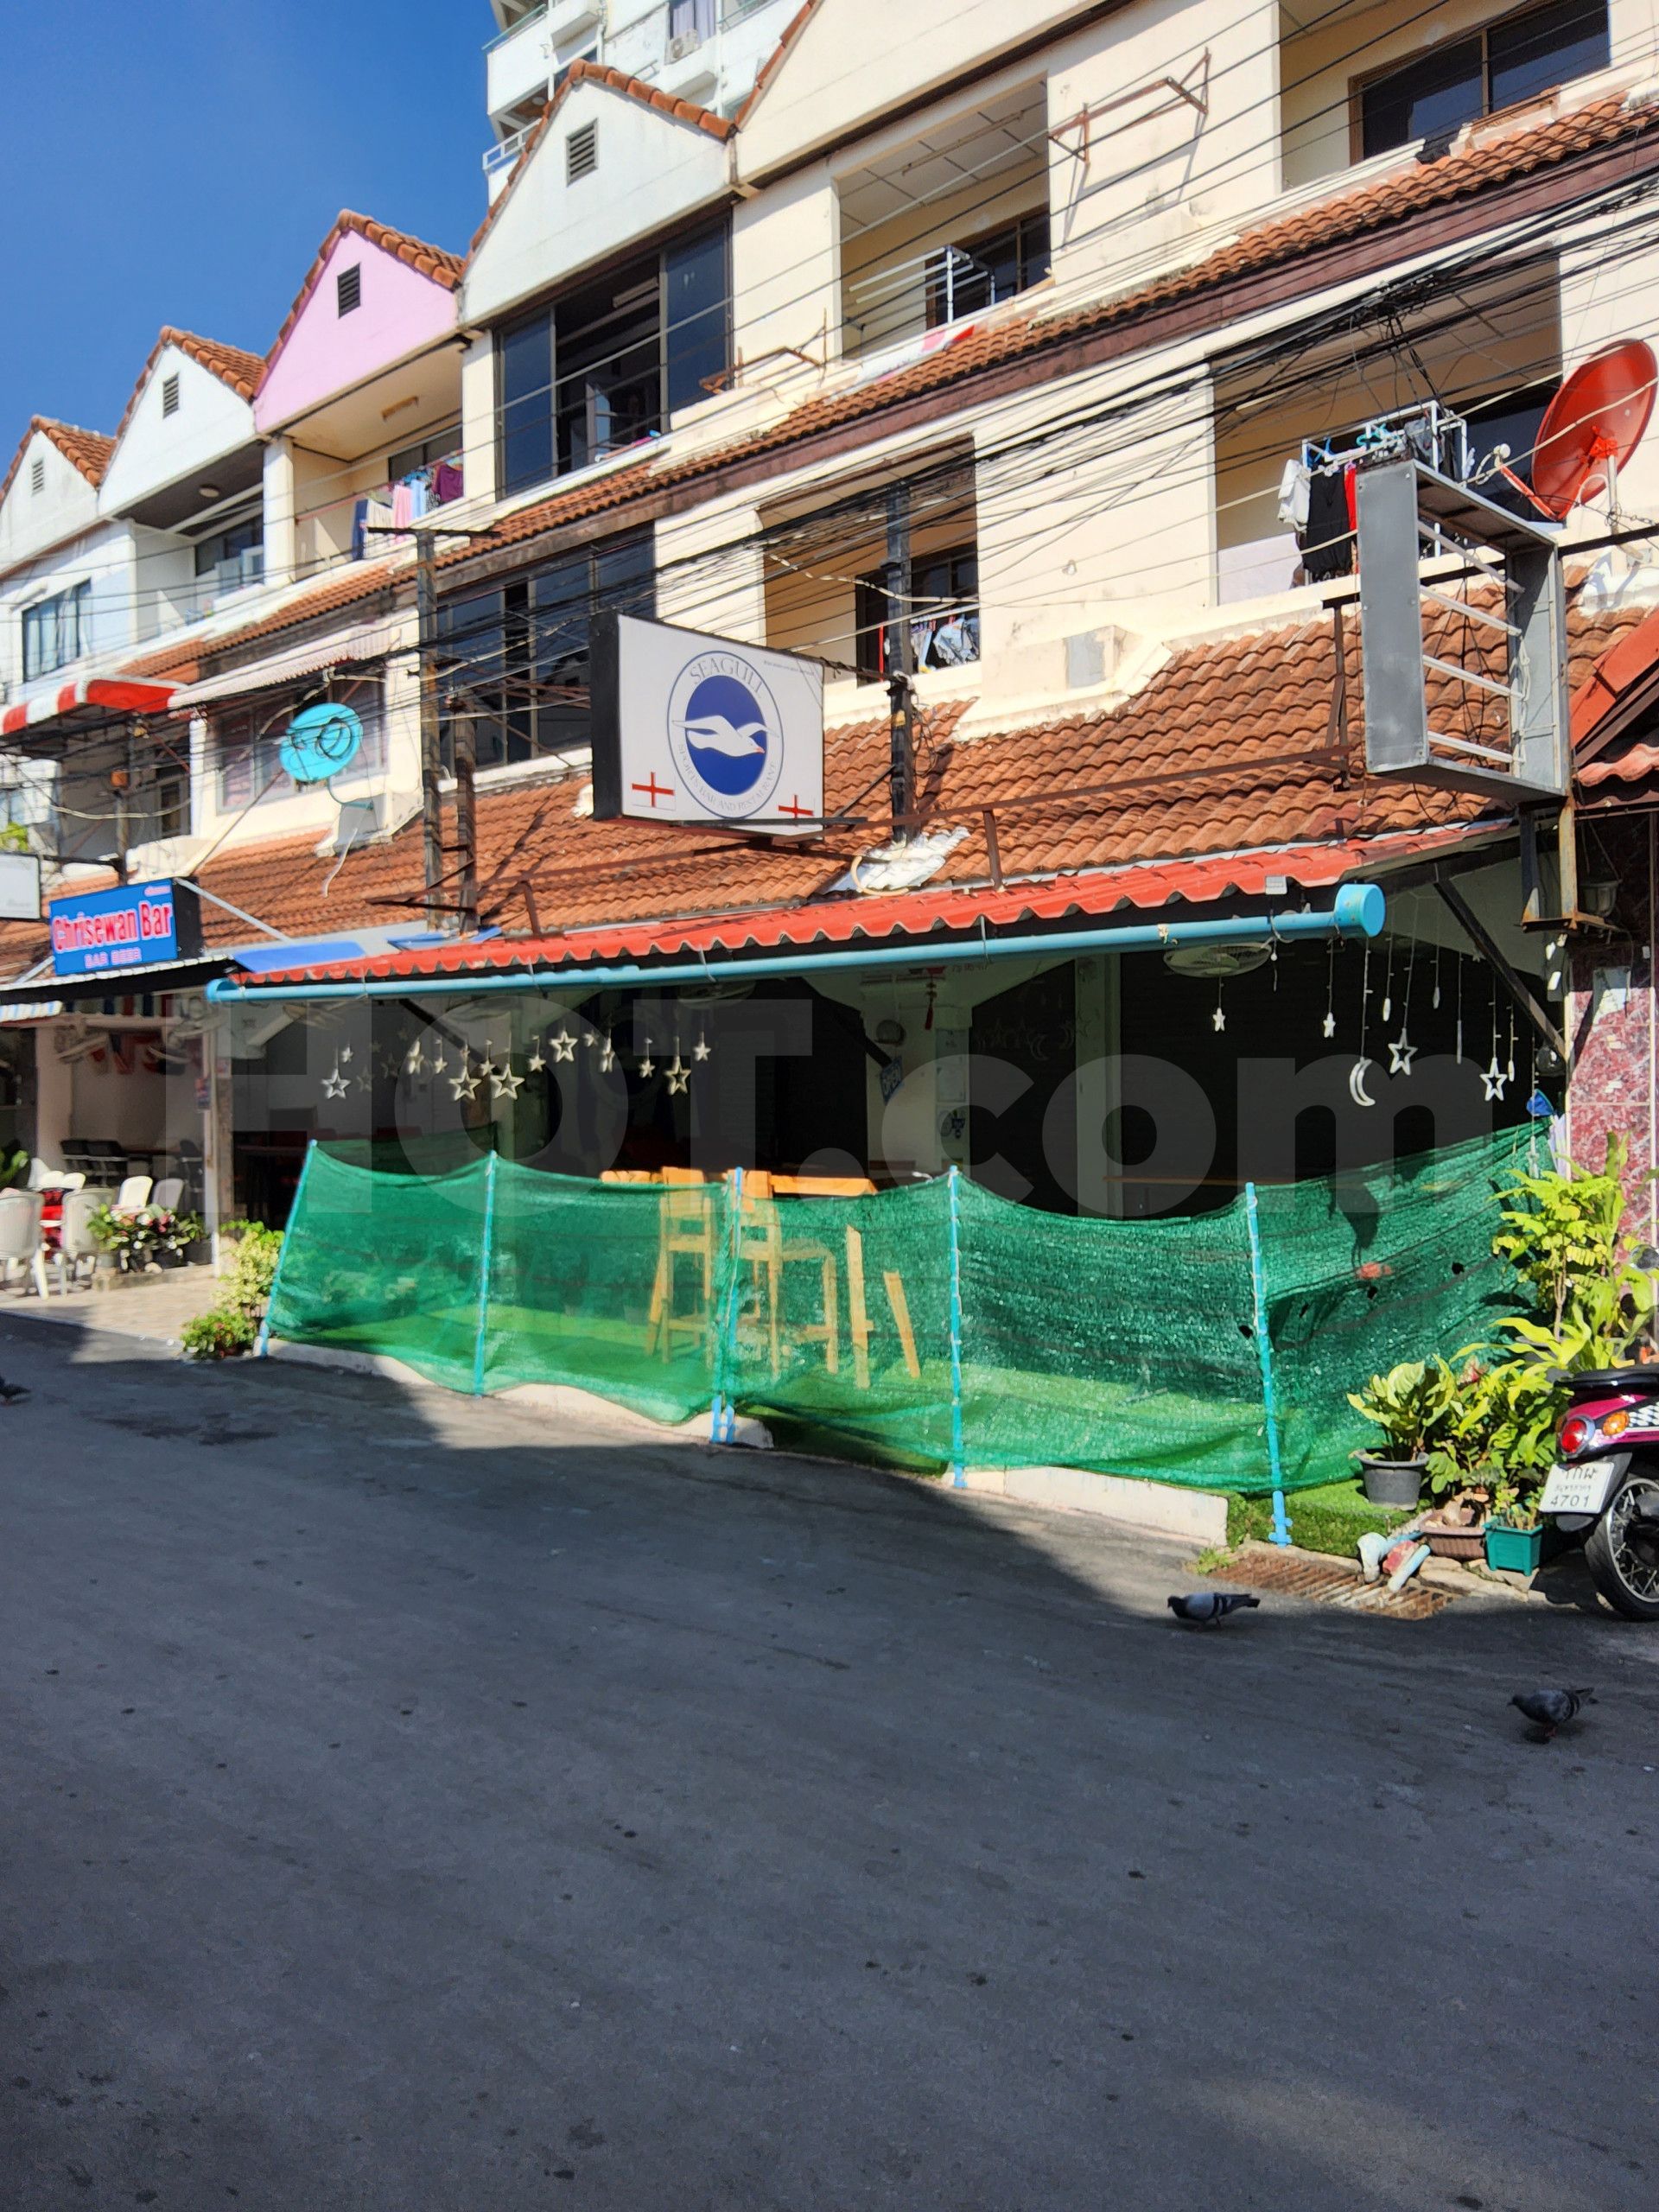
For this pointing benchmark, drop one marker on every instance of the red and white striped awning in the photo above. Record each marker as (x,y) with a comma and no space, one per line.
(119,694)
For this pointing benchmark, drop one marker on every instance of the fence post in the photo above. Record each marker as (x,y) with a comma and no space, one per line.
(1264,1354)
(481,1344)
(261,1347)
(958,1474)
(722,1414)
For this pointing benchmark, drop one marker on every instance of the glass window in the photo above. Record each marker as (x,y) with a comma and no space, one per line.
(57,631)
(603,368)
(965,279)
(696,297)
(247,743)
(526,353)
(239,548)
(521,652)
(942,593)
(1509,61)
(1530,54)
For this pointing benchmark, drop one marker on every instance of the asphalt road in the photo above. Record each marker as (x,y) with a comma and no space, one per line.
(415,1807)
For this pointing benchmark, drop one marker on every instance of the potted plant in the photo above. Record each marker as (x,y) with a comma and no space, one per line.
(1515,1534)
(1413,1405)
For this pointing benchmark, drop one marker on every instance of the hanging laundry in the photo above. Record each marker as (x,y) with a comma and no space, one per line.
(1326,540)
(403,505)
(419,494)
(1292,494)
(447,482)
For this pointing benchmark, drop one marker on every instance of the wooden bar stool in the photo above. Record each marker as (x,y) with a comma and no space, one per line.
(685,1229)
(763,1246)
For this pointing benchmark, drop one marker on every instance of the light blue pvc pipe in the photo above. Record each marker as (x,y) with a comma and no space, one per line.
(1264,1355)
(1358,910)
(958,1465)
(480,1342)
(262,1349)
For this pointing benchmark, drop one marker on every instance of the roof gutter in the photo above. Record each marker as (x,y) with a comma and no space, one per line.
(1356,911)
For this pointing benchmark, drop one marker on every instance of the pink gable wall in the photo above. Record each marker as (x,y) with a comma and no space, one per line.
(327,352)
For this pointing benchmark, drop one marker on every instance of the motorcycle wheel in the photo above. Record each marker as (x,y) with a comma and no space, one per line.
(1622,1550)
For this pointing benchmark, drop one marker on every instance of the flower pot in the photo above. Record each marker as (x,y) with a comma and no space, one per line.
(1515,1550)
(1454,1543)
(200,1252)
(165,1256)
(1391,1482)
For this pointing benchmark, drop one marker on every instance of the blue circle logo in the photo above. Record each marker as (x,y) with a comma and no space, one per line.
(725,734)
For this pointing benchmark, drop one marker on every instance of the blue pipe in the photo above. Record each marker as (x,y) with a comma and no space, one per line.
(1358,910)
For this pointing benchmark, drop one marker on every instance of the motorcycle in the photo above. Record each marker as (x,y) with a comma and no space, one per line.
(1604,1488)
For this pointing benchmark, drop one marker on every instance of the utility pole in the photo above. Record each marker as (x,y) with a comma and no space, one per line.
(465,742)
(425,636)
(898,661)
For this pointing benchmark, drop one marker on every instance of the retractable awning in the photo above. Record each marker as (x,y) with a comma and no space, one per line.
(116,694)
(362,642)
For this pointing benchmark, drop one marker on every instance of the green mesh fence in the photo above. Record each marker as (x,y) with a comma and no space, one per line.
(936,1326)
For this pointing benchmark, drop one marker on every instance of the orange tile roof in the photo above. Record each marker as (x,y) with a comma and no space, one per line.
(233,366)
(1227,749)
(1481,167)
(792,30)
(615,80)
(433,261)
(87,450)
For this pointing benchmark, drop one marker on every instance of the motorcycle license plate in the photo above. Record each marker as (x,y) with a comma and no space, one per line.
(1579,1490)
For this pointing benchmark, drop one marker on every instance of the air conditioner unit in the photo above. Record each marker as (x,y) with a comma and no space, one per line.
(687,42)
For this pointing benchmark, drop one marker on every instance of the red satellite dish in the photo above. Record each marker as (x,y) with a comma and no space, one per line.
(1593,426)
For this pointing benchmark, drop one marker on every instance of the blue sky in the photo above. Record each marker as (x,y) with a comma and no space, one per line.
(180,162)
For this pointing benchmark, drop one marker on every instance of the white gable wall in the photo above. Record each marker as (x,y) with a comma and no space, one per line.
(31,521)
(156,449)
(103,556)
(652,173)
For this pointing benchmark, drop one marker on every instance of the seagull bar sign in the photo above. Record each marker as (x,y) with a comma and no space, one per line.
(692,728)
(134,925)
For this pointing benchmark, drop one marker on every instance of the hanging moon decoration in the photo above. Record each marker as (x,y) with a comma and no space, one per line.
(1356,1089)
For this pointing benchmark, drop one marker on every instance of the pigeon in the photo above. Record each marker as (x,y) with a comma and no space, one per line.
(1204,1608)
(1549,1710)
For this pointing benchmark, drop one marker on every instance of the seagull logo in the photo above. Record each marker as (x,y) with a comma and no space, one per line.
(725,734)
(714,733)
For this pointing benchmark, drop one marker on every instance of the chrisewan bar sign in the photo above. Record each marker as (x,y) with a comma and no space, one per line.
(132,925)
(688,727)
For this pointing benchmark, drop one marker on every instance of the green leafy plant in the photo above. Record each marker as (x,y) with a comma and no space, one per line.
(13,1167)
(232,1326)
(13,837)
(1413,1405)
(220,1333)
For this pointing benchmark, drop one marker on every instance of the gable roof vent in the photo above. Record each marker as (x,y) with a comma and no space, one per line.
(170,395)
(349,289)
(37,474)
(581,152)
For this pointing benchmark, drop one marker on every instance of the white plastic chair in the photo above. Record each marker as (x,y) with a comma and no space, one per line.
(75,1240)
(168,1192)
(133,1194)
(20,1236)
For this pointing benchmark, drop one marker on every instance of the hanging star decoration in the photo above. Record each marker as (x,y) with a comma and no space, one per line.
(439,1063)
(564,1045)
(1218,1020)
(647,1066)
(365,1080)
(465,1086)
(506,1084)
(1494,1078)
(678,1075)
(608,1057)
(335,1085)
(415,1060)
(487,1070)
(344,1056)
(536,1061)
(700,1049)
(588,1039)
(1329,1024)
(1402,1053)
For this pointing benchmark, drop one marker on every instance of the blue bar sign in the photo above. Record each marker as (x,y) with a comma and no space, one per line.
(131,925)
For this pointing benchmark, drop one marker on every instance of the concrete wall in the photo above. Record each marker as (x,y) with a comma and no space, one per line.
(155,450)
(653,171)
(32,522)
(327,351)
(104,556)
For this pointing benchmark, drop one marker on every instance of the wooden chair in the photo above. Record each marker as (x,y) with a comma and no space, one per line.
(685,1229)
(763,1246)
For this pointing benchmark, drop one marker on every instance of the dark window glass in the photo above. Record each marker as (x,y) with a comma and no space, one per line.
(943,597)
(697,298)
(527,403)
(241,546)
(1509,61)
(1436,91)
(1532,52)
(610,376)
(595,372)
(965,279)
(57,631)
(521,653)
(247,743)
